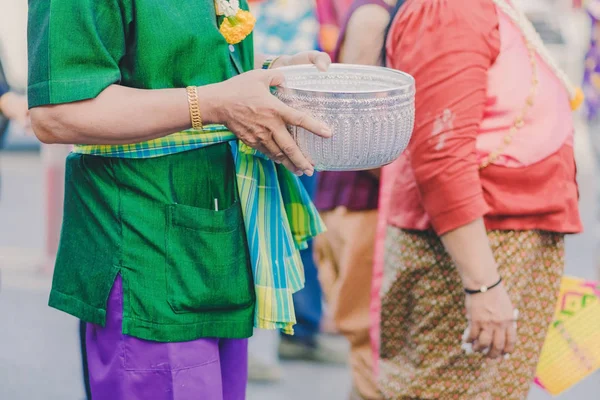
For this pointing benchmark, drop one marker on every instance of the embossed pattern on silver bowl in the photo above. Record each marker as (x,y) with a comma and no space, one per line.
(371,111)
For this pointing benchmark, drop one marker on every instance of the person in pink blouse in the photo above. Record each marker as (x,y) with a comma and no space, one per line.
(475,211)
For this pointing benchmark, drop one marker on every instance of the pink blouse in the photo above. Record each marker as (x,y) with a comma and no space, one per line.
(473,75)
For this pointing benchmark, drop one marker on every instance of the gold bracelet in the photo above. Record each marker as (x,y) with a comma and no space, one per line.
(194,104)
(268,63)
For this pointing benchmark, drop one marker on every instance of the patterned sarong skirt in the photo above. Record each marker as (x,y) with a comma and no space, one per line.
(423,317)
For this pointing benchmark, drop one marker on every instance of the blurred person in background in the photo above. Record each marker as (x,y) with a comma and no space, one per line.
(288,27)
(591,88)
(348,204)
(480,203)
(13,107)
(591,77)
(331,15)
(156,260)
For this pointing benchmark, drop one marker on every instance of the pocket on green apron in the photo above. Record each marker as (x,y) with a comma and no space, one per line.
(208,265)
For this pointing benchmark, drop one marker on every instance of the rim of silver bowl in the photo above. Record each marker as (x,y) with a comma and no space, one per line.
(397,82)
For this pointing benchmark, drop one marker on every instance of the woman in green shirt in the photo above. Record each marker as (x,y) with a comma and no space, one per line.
(181,227)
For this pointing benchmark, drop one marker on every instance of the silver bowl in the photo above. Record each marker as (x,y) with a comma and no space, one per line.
(371,111)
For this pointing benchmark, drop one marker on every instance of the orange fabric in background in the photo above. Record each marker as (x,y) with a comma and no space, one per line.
(330,14)
(344,255)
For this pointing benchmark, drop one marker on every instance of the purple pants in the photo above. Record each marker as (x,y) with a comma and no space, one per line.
(123,367)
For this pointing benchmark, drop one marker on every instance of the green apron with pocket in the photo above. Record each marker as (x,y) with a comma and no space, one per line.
(172,227)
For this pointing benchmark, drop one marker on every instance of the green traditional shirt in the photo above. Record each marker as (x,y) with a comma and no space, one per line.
(145,210)
(186,271)
(79,47)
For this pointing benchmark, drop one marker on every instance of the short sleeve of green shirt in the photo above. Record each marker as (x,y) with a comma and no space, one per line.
(75,47)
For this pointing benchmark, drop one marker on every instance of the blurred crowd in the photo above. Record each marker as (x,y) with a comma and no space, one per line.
(472,217)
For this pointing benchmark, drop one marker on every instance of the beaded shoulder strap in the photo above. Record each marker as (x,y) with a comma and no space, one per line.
(533,40)
(535,47)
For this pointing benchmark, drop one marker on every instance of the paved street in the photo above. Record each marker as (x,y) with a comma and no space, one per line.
(39,354)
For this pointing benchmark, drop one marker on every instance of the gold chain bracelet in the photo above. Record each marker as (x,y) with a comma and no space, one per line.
(194,104)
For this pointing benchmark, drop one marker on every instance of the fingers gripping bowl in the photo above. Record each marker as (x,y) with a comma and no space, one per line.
(371,111)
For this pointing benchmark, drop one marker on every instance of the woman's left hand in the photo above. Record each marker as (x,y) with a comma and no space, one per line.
(492,322)
(319,59)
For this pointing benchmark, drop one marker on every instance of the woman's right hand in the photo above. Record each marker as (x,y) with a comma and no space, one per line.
(246,106)
(492,322)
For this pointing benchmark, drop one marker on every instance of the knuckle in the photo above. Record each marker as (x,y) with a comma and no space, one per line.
(289,149)
(263,136)
(250,141)
(300,119)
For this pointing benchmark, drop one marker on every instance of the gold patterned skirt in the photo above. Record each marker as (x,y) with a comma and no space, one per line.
(423,317)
